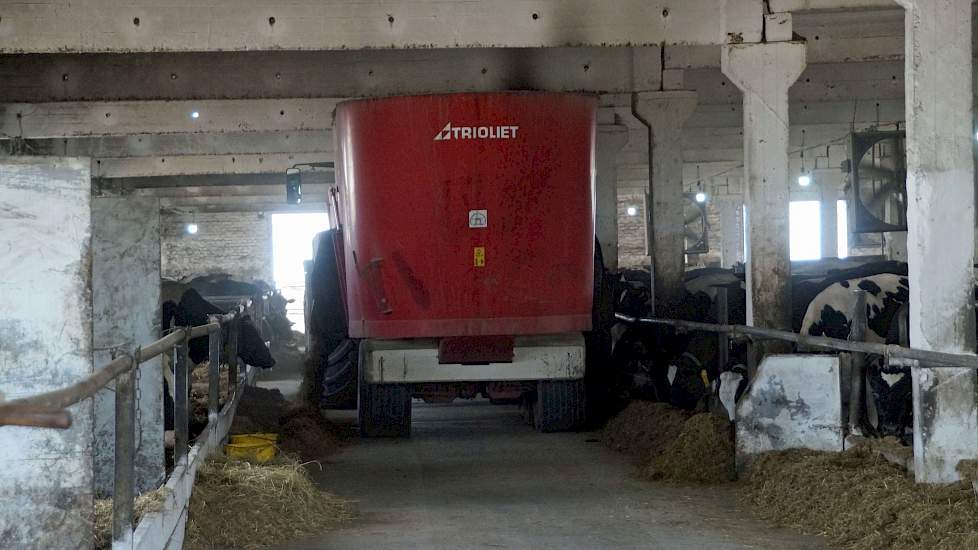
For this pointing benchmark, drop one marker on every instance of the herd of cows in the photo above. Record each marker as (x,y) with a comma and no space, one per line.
(184,305)
(661,364)
(654,362)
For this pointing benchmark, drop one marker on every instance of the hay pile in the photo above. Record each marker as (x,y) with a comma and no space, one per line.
(259,410)
(148,502)
(307,434)
(861,501)
(702,453)
(199,391)
(238,504)
(671,445)
(644,428)
(302,430)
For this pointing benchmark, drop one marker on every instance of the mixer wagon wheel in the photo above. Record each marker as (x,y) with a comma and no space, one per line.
(385,410)
(559,406)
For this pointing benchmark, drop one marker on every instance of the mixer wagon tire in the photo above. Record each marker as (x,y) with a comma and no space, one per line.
(559,406)
(385,410)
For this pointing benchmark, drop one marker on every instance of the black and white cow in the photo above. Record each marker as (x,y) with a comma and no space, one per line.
(728,388)
(829,313)
(193,310)
(889,396)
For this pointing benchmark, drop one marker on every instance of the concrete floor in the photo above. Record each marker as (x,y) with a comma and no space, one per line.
(473,476)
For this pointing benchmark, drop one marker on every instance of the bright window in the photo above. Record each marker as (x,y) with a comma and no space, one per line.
(842,228)
(292,236)
(805,230)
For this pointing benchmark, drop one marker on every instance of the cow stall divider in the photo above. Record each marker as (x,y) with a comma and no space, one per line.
(850,387)
(893,353)
(48,410)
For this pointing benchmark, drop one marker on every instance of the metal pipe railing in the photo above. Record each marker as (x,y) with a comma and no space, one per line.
(48,410)
(932,359)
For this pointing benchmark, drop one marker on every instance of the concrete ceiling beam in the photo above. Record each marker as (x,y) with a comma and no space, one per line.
(289,74)
(162,145)
(181,165)
(232,192)
(211,180)
(97,118)
(243,203)
(229,25)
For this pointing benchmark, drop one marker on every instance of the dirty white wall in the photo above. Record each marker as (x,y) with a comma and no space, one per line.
(126,304)
(45,344)
(239,244)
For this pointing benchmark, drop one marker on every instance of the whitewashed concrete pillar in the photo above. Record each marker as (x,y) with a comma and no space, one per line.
(940,185)
(665,113)
(764,72)
(731,230)
(126,300)
(896,245)
(610,140)
(45,344)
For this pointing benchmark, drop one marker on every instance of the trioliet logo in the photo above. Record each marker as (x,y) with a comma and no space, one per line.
(450,132)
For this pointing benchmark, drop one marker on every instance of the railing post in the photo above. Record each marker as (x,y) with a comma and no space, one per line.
(181,405)
(232,359)
(214,374)
(125,450)
(903,325)
(723,340)
(857,377)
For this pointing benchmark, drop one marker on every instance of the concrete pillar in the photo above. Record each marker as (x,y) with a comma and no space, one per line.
(764,72)
(45,344)
(665,113)
(940,172)
(731,230)
(610,140)
(896,245)
(126,304)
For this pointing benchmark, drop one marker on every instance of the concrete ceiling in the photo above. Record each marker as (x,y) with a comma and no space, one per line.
(235,25)
(127,101)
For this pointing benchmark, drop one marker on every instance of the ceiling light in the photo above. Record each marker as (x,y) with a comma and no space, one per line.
(195,115)
(192,228)
(632,210)
(700,197)
(804,180)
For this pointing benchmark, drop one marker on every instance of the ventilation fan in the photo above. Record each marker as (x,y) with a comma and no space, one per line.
(878,183)
(696,227)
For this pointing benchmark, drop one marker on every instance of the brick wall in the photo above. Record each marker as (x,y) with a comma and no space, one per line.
(631,230)
(239,244)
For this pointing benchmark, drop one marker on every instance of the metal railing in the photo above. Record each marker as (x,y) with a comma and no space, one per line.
(856,345)
(49,410)
(933,359)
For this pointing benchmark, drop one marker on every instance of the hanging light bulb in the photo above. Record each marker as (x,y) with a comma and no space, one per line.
(631,210)
(700,195)
(192,226)
(804,179)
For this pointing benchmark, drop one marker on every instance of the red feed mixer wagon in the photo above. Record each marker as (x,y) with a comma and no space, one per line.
(468,253)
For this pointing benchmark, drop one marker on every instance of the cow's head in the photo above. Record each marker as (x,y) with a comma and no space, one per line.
(251,348)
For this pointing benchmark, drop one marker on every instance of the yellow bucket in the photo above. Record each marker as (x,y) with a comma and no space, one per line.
(258,447)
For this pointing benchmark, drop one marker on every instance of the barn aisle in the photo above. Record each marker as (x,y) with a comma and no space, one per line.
(473,476)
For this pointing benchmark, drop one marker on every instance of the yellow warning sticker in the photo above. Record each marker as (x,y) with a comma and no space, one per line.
(479,256)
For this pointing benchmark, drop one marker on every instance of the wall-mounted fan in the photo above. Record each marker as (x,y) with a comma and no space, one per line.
(696,227)
(878,182)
